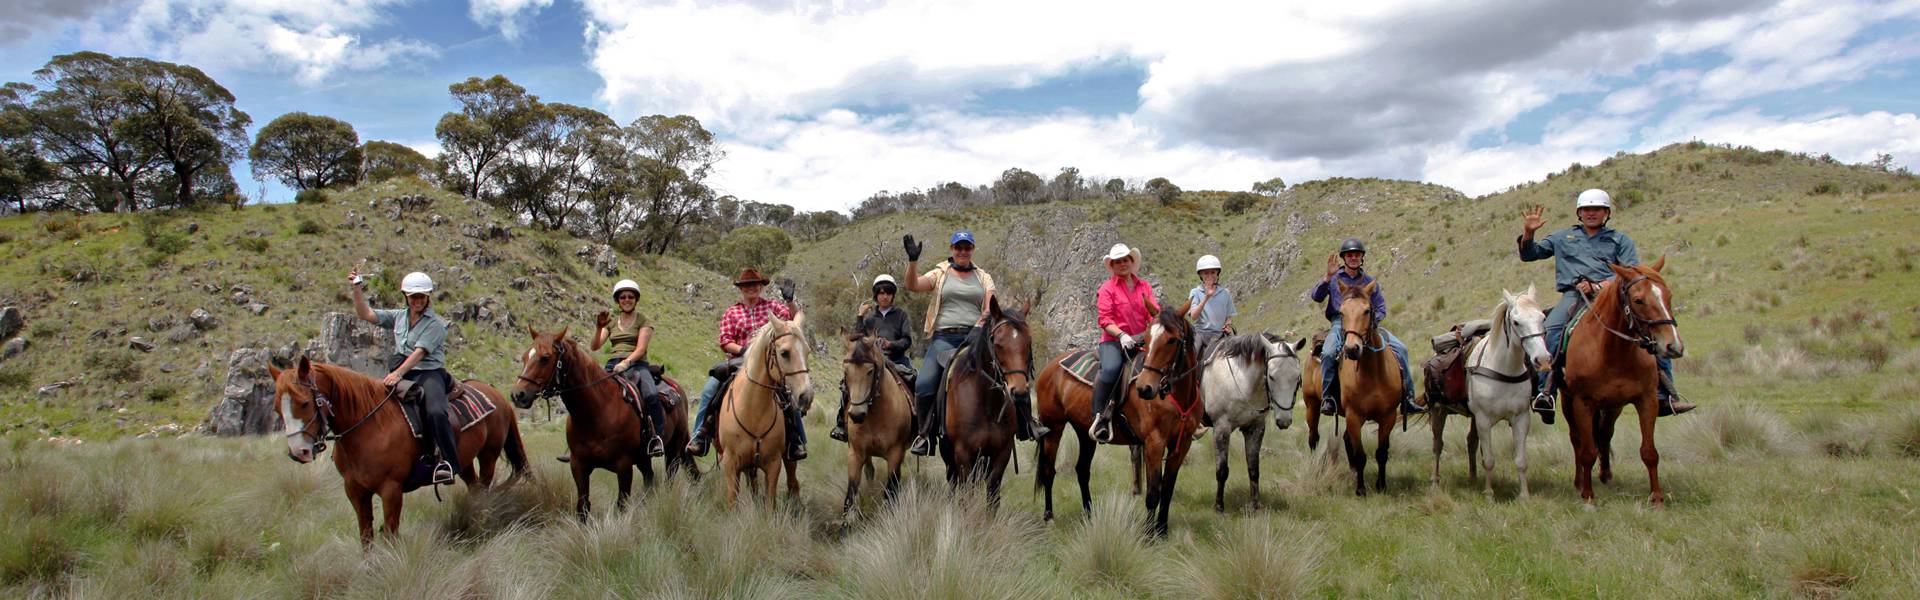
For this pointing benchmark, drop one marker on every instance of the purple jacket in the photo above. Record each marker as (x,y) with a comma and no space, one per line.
(1326,291)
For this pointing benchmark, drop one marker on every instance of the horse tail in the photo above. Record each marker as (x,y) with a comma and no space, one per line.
(516,453)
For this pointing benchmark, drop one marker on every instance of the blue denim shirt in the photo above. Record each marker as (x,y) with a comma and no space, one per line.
(1326,292)
(1581,255)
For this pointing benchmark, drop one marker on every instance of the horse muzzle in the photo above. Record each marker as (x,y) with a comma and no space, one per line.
(1148,392)
(1675,350)
(523,399)
(1353,351)
(857,415)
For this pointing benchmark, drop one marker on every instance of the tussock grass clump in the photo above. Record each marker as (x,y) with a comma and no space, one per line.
(531,501)
(1903,432)
(1256,558)
(36,550)
(1721,431)
(1109,548)
(615,554)
(929,544)
(1837,439)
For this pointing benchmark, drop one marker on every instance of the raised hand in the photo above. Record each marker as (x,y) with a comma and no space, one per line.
(602,319)
(1533,219)
(913,248)
(786,290)
(1333,264)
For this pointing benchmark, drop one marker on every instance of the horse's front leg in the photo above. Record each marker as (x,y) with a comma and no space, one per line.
(362,500)
(1438,422)
(1254,437)
(1520,427)
(1648,411)
(1356,454)
(1384,435)
(623,473)
(793,478)
(1580,430)
(1154,447)
(1485,444)
(1222,442)
(391,499)
(856,462)
(582,475)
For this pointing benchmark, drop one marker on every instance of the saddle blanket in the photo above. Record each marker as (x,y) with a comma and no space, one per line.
(1083,365)
(465,407)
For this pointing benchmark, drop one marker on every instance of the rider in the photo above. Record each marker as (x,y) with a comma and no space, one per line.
(629,334)
(419,356)
(889,324)
(737,326)
(1347,266)
(1123,303)
(1581,254)
(962,296)
(1213,310)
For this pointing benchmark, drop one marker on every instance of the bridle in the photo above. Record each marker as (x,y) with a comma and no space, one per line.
(1639,331)
(779,386)
(1373,327)
(553,386)
(873,379)
(324,417)
(1182,344)
(996,374)
(1285,353)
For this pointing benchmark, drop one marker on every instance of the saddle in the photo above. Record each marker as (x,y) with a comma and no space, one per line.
(1445,375)
(1084,365)
(466,406)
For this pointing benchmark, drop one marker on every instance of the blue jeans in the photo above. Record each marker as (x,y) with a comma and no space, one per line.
(709,394)
(928,384)
(1556,325)
(1113,360)
(1330,360)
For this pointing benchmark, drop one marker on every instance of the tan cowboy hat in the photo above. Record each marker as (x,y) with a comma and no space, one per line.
(1119,251)
(749,276)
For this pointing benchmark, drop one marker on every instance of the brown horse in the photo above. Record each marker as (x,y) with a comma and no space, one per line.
(603,430)
(990,372)
(1370,383)
(1610,364)
(1310,393)
(1166,428)
(753,433)
(879,415)
(320,402)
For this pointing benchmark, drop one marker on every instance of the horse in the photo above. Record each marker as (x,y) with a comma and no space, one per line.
(753,435)
(1499,369)
(1610,363)
(1370,384)
(1247,376)
(879,415)
(1310,393)
(604,431)
(987,376)
(320,402)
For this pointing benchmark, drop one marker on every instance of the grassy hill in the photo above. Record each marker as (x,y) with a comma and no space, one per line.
(89,283)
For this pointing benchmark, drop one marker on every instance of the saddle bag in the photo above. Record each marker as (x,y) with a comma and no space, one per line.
(1445,378)
(1459,335)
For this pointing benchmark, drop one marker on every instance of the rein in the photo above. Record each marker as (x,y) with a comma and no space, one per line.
(1639,331)
(781,398)
(324,412)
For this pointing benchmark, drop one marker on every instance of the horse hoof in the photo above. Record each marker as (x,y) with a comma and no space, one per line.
(1219,508)
(1588,507)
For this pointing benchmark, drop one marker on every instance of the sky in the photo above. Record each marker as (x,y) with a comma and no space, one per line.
(822,104)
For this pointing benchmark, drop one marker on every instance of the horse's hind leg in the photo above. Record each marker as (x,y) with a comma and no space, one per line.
(1222,442)
(1439,425)
(1649,455)
(1253,438)
(1380,454)
(645,464)
(1474,451)
(1356,455)
(489,459)
(623,473)
(1044,469)
(1083,469)
(1603,441)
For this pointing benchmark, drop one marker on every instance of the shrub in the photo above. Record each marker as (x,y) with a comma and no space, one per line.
(1163,190)
(1824,188)
(310,226)
(311,196)
(1903,433)
(257,245)
(160,393)
(14,379)
(115,365)
(5,237)
(1239,202)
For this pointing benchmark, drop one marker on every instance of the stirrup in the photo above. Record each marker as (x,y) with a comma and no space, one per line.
(656,447)
(443,473)
(1102,429)
(922,446)
(1329,406)
(797,452)
(1408,407)
(1543,404)
(1670,407)
(697,447)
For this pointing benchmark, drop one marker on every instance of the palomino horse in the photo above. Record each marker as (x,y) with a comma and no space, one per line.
(1499,368)
(603,430)
(753,433)
(1610,364)
(320,402)
(991,371)
(1247,376)
(879,415)
(1370,384)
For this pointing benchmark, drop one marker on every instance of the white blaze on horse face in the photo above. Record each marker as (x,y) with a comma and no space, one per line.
(530,356)
(1660,300)
(294,424)
(1153,333)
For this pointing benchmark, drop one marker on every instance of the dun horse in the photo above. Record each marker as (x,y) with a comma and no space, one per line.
(1370,384)
(321,402)
(604,431)
(753,433)
(987,375)
(1610,364)
(879,415)
(1247,377)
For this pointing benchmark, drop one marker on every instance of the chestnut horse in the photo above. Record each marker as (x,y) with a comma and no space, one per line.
(1370,384)
(879,415)
(603,430)
(1610,364)
(321,402)
(753,433)
(989,373)
(1310,394)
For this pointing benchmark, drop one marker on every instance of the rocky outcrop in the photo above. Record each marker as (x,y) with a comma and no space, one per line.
(347,340)
(246,401)
(11,321)
(602,257)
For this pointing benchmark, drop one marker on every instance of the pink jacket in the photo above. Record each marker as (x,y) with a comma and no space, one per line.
(1124,305)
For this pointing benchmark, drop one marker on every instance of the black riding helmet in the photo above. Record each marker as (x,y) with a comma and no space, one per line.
(1353,245)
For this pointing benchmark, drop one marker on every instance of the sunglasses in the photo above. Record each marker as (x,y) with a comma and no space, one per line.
(626,297)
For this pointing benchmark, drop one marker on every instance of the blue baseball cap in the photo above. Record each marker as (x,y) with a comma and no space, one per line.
(961,236)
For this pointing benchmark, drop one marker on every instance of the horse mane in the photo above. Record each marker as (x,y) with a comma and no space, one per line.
(1247,347)
(863,351)
(1175,321)
(1499,330)
(349,384)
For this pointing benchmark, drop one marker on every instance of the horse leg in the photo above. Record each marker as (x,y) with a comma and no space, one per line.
(1222,442)
(1313,423)
(1385,434)
(1083,470)
(856,463)
(390,501)
(362,500)
(1356,455)
(488,458)
(1580,430)
(623,473)
(645,464)
(793,478)
(1485,445)
(1044,469)
(1603,441)
(1520,427)
(1156,448)
(1438,423)
(770,472)
(997,472)
(1134,452)
(1473,450)
(1167,481)
(582,474)
(1253,438)
(1648,411)
(896,456)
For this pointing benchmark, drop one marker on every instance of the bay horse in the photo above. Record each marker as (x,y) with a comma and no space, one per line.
(1610,364)
(1247,377)
(991,371)
(753,434)
(879,415)
(1310,393)
(1370,384)
(1499,369)
(604,431)
(320,402)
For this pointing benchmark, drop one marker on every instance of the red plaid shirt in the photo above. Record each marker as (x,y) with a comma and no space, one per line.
(739,322)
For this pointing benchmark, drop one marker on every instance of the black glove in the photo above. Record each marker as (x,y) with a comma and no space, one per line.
(913,248)
(786,290)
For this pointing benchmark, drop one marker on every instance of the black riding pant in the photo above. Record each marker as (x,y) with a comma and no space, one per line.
(642,380)
(433,385)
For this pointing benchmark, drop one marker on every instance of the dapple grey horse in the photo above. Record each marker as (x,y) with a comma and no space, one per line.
(1244,378)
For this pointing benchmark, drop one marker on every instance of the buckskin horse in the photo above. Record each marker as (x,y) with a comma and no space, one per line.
(988,373)
(377,456)
(604,430)
(753,435)
(1370,383)
(1610,363)
(879,415)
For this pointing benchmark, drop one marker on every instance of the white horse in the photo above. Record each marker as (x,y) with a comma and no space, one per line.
(1498,381)
(1246,376)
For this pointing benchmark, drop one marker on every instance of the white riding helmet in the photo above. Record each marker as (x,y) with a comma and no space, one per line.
(416,283)
(625,284)
(1594,197)
(883,278)
(1206,262)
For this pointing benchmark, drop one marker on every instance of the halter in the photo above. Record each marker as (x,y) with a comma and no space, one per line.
(323,413)
(1639,331)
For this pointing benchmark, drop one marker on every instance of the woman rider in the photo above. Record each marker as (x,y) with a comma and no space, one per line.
(962,293)
(629,332)
(881,319)
(1124,303)
(419,356)
(1213,310)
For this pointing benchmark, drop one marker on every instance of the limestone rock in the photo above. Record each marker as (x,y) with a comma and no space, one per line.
(11,321)
(246,402)
(202,320)
(140,343)
(348,341)
(13,347)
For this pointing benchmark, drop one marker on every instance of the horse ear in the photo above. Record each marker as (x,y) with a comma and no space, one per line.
(1300,345)
(1367,290)
(305,367)
(1620,271)
(1342,287)
(1531,293)
(1659,263)
(1506,294)
(531,333)
(799,320)
(993,305)
(563,332)
(273,371)
(1186,307)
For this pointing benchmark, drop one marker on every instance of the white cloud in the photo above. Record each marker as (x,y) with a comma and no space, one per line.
(1852,138)
(505,14)
(311,39)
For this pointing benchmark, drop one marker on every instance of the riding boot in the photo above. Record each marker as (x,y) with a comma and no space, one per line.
(1670,403)
(1543,401)
(796,435)
(1329,402)
(923,441)
(657,418)
(1029,428)
(840,418)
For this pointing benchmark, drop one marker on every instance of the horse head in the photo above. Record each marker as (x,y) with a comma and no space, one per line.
(1648,304)
(1283,374)
(782,353)
(542,365)
(302,410)
(1356,316)
(861,373)
(1011,344)
(1169,350)
(1525,322)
